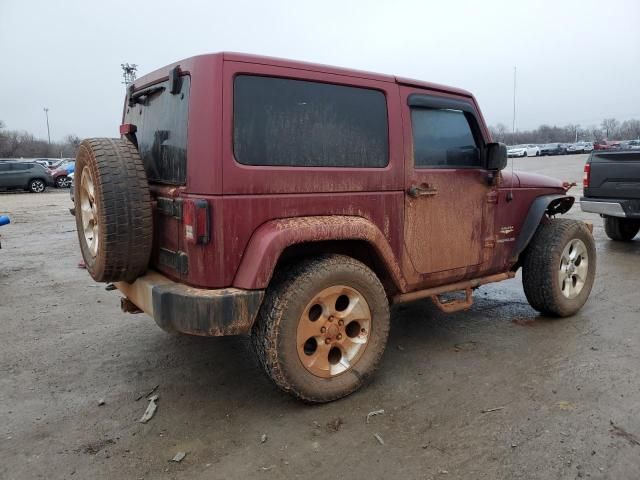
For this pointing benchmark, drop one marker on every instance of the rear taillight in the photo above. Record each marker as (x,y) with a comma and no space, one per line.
(127,129)
(196,221)
(587,176)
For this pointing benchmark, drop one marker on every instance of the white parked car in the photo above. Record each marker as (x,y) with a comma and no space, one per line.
(580,147)
(528,150)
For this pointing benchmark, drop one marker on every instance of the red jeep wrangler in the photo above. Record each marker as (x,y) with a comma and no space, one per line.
(294,202)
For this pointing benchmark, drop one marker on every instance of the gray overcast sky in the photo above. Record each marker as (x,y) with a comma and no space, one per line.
(578,61)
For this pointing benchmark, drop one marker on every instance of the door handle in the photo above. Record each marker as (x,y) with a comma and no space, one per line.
(423,190)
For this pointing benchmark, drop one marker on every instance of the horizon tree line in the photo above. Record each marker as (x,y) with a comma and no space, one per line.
(22,144)
(609,129)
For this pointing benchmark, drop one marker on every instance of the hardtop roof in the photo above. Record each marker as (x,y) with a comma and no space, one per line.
(190,63)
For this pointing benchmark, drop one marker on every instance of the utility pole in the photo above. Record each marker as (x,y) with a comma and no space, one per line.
(513,127)
(128,73)
(577,127)
(46,113)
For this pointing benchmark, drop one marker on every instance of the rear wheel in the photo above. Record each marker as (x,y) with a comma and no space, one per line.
(37,185)
(322,328)
(559,267)
(113,209)
(621,229)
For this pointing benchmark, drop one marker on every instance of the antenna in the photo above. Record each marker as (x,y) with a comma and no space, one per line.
(513,131)
(513,127)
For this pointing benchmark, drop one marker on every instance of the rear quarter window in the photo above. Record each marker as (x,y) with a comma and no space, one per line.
(285,122)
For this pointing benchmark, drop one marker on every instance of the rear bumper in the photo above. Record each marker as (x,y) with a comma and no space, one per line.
(611,207)
(179,308)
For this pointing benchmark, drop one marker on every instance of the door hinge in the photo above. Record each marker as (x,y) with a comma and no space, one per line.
(177,261)
(492,197)
(170,206)
(490,242)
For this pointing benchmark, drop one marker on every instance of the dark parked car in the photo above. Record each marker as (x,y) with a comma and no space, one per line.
(295,202)
(24,175)
(553,149)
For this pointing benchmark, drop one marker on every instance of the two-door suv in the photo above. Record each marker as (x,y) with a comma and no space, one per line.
(294,202)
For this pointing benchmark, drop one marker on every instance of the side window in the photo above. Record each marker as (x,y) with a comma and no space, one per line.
(20,167)
(443,138)
(4,167)
(284,122)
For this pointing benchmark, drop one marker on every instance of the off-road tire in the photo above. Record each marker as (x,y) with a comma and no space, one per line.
(37,185)
(274,332)
(124,211)
(621,229)
(541,264)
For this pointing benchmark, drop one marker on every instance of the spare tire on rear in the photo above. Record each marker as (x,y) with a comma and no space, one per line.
(113,209)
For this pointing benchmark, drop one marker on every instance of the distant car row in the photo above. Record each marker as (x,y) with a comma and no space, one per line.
(531,150)
(35,175)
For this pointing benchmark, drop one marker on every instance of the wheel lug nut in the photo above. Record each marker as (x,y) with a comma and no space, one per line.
(339,337)
(323,329)
(331,318)
(341,322)
(363,331)
(327,341)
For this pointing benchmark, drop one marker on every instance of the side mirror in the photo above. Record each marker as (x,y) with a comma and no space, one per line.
(496,156)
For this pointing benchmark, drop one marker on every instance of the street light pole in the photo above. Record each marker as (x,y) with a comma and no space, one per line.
(513,126)
(46,112)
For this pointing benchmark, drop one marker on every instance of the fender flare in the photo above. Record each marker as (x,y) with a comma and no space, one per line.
(551,204)
(269,241)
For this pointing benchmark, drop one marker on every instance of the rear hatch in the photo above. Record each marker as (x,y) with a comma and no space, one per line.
(614,175)
(156,115)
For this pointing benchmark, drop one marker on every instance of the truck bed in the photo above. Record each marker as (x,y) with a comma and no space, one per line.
(614,184)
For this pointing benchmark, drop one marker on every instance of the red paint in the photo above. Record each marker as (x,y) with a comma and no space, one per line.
(256,212)
(535,180)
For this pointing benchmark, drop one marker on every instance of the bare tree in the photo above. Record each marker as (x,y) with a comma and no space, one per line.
(610,126)
(630,129)
(20,144)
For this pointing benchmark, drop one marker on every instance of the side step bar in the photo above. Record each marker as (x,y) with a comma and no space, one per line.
(455,305)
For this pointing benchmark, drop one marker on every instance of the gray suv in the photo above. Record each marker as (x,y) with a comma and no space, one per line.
(30,176)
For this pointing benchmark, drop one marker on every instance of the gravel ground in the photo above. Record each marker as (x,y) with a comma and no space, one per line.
(497,392)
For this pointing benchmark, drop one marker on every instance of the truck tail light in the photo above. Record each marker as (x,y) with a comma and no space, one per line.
(587,176)
(196,221)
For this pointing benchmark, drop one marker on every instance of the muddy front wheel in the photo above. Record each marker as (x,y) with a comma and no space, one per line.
(322,328)
(559,267)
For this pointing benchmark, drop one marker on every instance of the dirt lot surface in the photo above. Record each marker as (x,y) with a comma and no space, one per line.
(496,392)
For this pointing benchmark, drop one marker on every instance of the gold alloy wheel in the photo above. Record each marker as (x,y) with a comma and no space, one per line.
(88,212)
(333,331)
